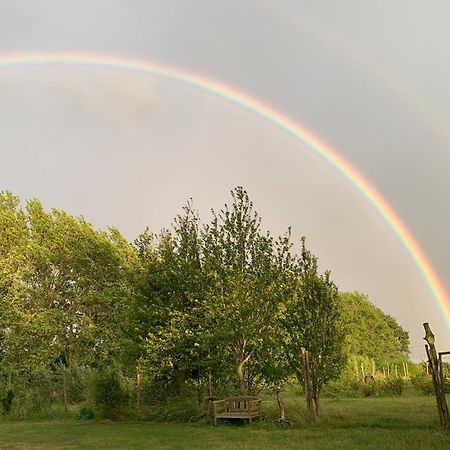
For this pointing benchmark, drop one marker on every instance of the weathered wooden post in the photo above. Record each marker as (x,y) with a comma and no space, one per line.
(436,375)
(138,390)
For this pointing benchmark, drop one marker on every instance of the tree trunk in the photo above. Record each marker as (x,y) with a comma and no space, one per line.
(181,377)
(64,377)
(280,402)
(308,383)
(240,375)
(210,383)
(138,390)
(315,400)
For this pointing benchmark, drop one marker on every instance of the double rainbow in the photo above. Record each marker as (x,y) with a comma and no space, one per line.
(272,115)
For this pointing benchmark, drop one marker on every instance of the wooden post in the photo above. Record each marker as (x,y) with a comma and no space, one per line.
(138,390)
(307,382)
(356,370)
(64,377)
(436,375)
(363,372)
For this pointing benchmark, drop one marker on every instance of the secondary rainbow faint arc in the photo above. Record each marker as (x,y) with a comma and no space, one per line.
(273,116)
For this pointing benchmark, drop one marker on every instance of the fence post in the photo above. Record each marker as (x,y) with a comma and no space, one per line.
(436,374)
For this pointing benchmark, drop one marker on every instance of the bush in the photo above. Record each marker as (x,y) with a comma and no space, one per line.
(423,383)
(85,414)
(7,400)
(369,389)
(108,393)
(76,384)
(394,386)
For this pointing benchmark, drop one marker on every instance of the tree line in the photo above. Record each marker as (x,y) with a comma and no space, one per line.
(222,305)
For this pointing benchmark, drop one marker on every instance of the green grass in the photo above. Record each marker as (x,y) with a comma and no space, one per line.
(407,422)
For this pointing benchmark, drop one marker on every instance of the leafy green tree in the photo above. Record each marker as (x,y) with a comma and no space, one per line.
(243,288)
(177,337)
(62,288)
(370,333)
(13,269)
(313,322)
(76,284)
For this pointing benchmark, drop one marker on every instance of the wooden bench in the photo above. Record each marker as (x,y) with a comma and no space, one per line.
(239,407)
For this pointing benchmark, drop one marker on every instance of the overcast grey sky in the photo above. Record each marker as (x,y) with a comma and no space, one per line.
(124,149)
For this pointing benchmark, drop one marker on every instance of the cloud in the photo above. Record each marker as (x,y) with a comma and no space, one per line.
(108,98)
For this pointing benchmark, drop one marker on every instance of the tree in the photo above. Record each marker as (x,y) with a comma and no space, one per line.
(312,322)
(13,269)
(370,333)
(243,287)
(77,281)
(62,286)
(177,336)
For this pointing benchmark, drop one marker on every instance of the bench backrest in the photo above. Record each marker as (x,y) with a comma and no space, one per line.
(239,403)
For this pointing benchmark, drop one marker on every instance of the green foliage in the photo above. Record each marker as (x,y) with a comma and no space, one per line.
(216,294)
(395,385)
(108,392)
(423,383)
(370,333)
(312,321)
(85,414)
(197,310)
(245,293)
(369,389)
(61,290)
(7,401)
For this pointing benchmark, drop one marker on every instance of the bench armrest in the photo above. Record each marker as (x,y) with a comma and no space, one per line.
(219,406)
(255,405)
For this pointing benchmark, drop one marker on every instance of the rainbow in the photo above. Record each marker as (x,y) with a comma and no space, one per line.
(272,115)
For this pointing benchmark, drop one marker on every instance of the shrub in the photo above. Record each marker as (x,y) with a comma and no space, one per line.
(7,400)
(369,389)
(423,383)
(85,414)
(395,385)
(108,393)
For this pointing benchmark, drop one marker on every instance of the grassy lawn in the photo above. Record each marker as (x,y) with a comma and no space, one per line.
(408,422)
